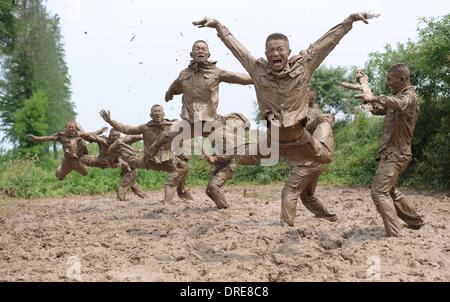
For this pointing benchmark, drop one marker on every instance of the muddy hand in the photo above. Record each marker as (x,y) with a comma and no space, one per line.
(351,86)
(106,115)
(206,22)
(168,96)
(362,17)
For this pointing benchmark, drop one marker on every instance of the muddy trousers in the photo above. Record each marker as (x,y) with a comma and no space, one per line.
(222,171)
(68,165)
(295,143)
(128,181)
(390,202)
(128,177)
(177,168)
(302,181)
(95,161)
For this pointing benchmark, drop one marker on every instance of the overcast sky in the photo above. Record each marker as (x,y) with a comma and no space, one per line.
(123,54)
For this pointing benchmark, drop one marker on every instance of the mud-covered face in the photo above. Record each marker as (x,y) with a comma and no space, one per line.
(396,82)
(71,129)
(277,54)
(200,52)
(157,114)
(114,135)
(312,95)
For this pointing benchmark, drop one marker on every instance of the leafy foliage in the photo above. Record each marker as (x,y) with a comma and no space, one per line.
(35,63)
(331,97)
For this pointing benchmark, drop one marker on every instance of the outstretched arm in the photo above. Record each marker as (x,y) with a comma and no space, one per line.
(363,83)
(399,103)
(106,115)
(175,89)
(92,137)
(377,109)
(235,78)
(363,86)
(239,51)
(34,138)
(100,131)
(320,49)
(130,139)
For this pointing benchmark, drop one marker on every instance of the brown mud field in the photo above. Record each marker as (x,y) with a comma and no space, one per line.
(95,238)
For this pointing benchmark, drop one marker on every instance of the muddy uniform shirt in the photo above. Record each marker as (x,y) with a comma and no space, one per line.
(199,84)
(73,146)
(283,96)
(401,114)
(150,133)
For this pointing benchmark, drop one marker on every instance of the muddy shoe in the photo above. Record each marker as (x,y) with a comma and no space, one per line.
(138,192)
(415,226)
(186,196)
(332,217)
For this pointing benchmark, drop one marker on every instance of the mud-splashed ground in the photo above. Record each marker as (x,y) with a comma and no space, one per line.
(140,240)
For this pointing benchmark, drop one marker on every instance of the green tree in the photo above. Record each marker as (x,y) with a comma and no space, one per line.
(7,25)
(32,119)
(35,64)
(331,97)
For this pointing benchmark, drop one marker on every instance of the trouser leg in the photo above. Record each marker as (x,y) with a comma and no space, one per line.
(178,170)
(182,191)
(317,147)
(63,170)
(384,180)
(68,165)
(294,185)
(404,209)
(222,172)
(94,161)
(310,200)
(126,182)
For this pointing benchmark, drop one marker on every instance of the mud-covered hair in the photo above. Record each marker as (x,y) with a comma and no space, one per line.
(200,41)
(156,106)
(276,36)
(400,69)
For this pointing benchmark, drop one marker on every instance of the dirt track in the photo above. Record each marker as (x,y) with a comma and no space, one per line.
(140,240)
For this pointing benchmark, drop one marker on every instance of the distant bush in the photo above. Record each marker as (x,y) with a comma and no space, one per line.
(356,144)
(21,178)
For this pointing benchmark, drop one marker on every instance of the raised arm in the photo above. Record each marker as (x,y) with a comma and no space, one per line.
(235,78)
(130,139)
(106,115)
(93,137)
(100,131)
(363,86)
(175,89)
(34,138)
(239,51)
(320,49)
